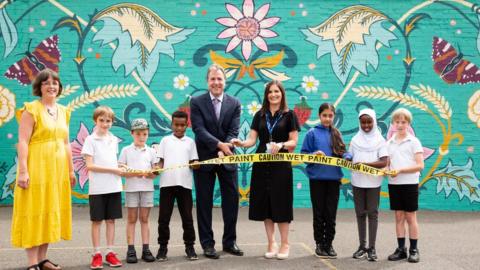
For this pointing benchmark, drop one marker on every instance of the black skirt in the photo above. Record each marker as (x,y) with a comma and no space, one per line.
(271,192)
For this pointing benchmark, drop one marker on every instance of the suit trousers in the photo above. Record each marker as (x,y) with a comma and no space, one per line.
(204,187)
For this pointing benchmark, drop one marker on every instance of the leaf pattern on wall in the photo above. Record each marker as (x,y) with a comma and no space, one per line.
(141,36)
(9,183)
(458,179)
(8,31)
(350,37)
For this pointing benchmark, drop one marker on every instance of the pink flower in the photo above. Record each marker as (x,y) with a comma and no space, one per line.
(427,152)
(246,27)
(78,162)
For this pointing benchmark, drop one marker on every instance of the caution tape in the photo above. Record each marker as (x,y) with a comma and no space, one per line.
(279,157)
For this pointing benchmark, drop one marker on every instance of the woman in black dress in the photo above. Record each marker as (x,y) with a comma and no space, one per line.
(271,187)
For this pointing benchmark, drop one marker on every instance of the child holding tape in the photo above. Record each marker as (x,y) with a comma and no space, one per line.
(176,184)
(368,147)
(324,139)
(406,162)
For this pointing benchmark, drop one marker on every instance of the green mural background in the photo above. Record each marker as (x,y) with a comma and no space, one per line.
(146,59)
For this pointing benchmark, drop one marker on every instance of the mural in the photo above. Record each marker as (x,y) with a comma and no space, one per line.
(147,59)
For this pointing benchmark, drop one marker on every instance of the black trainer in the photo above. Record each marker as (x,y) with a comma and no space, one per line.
(132,256)
(414,256)
(191,254)
(372,254)
(331,252)
(320,252)
(162,253)
(399,254)
(147,256)
(360,253)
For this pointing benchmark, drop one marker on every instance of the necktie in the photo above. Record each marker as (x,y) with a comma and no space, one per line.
(217,105)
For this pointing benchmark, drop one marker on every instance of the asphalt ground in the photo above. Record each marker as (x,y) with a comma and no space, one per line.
(448,240)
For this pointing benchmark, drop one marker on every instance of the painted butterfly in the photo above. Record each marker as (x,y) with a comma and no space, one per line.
(450,65)
(45,55)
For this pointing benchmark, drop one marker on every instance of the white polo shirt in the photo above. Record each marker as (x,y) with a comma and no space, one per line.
(402,155)
(139,159)
(175,151)
(364,180)
(104,151)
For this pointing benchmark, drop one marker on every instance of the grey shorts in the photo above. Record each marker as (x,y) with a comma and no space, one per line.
(139,199)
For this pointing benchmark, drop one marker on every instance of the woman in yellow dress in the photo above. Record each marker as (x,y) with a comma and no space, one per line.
(42,211)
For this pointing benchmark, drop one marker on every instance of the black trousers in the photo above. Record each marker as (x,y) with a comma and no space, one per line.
(183,196)
(324,196)
(204,185)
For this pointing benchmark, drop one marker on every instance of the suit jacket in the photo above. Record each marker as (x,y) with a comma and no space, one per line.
(208,131)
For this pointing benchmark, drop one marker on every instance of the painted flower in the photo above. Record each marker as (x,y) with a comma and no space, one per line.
(181,82)
(310,84)
(474,108)
(253,107)
(427,152)
(7,105)
(247,27)
(78,161)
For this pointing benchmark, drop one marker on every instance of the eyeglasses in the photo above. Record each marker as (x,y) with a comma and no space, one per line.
(47,83)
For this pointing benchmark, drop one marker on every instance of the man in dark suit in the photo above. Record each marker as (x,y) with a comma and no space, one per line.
(215,118)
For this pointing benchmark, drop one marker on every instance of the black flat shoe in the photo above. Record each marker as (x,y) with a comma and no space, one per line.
(53,266)
(413,256)
(211,253)
(399,254)
(131,256)
(33,267)
(234,250)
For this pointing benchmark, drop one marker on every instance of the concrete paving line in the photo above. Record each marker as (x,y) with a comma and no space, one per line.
(309,250)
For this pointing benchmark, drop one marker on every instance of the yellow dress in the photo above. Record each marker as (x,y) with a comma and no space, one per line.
(42,213)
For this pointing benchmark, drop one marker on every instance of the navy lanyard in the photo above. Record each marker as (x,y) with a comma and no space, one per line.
(270,127)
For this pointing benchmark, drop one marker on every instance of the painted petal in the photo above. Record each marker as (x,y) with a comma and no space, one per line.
(262,12)
(267,23)
(234,11)
(227,33)
(233,44)
(227,21)
(260,43)
(246,49)
(267,33)
(248,8)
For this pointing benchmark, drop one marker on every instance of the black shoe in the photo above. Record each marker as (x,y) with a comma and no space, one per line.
(372,254)
(191,254)
(399,254)
(162,253)
(234,250)
(360,253)
(331,252)
(132,256)
(210,253)
(414,256)
(147,256)
(320,252)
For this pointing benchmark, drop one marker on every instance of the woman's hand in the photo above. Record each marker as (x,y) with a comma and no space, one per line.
(275,147)
(73,179)
(221,154)
(23,180)
(319,152)
(236,142)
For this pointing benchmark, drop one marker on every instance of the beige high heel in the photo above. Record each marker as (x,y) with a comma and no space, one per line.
(273,254)
(283,256)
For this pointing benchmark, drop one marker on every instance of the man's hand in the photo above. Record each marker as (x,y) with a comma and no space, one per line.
(225,148)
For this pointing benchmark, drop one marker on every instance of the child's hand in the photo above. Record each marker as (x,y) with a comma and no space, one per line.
(195,165)
(392,173)
(319,152)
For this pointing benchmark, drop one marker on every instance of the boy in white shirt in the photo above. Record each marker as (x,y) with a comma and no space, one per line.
(406,162)
(100,151)
(138,188)
(176,184)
